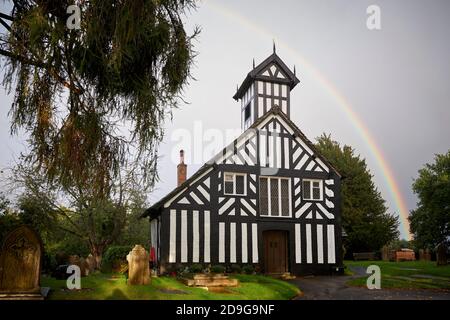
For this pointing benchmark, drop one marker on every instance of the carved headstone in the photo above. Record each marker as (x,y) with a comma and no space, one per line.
(138,266)
(20,265)
(441,254)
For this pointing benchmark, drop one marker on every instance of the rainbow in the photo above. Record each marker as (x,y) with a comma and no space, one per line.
(353,117)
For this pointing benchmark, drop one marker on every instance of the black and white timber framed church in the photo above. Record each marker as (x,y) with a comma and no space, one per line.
(268,199)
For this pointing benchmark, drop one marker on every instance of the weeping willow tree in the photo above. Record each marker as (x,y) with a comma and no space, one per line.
(91,98)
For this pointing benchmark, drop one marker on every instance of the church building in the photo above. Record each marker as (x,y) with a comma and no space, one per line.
(269,199)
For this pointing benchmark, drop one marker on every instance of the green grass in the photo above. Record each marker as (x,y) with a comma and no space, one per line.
(406,275)
(112,286)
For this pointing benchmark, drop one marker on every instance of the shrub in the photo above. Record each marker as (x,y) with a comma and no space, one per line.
(61,257)
(114,253)
(235,268)
(196,268)
(106,267)
(114,258)
(248,269)
(49,262)
(218,269)
(183,271)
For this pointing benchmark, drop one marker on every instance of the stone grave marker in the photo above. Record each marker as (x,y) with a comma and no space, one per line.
(385,253)
(20,265)
(427,254)
(138,266)
(421,254)
(76,260)
(441,254)
(90,263)
(424,255)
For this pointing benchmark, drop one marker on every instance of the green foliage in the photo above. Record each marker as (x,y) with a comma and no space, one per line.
(400,244)
(248,269)
(75,221)
(430,222)
(49,262)
(9,219)
(218,269)
(136,229)
(115,257)
(195,268)
(75,89)
(364,217)
(235,268)
(38,215)
(116,253)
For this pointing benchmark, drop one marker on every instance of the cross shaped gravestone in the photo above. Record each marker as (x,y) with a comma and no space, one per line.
(20,265)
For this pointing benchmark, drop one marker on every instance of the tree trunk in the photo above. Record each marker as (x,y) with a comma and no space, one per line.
(97,253)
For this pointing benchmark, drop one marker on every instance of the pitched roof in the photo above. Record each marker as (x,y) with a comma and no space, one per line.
(154,209)
(255,74)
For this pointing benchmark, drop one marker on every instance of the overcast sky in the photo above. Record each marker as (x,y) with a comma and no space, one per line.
(395,79)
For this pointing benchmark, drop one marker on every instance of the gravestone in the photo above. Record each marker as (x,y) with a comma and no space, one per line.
(421,254)
(385,253)
(76,260)
(441,254)
(84,267)
(424,255)
(138,266)
(90,263)
(20,265)
(427,254)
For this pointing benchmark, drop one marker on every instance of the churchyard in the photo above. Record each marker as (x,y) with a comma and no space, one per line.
(114,286)
(21,277)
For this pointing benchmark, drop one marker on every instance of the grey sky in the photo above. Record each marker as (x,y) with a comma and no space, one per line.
(397,79)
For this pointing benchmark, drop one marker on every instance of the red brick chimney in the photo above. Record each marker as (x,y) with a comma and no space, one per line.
(181,169)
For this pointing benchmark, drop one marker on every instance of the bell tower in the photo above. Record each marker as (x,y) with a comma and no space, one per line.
(268,84)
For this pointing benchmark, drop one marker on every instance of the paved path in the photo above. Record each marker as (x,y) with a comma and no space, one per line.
(334,288)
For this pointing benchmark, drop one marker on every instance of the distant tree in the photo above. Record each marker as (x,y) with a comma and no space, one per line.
(430,222)
(38,215)
(401,244)
(137,229)
(8,218)
(79,92)
(364,215)
(66,214)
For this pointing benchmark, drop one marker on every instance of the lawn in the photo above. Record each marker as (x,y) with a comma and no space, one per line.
(406,275)
(113,286)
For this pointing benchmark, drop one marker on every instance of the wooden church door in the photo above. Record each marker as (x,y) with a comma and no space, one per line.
(275,251)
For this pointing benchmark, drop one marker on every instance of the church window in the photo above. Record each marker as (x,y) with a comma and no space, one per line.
(235,184)
(274,197)
(312,189)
